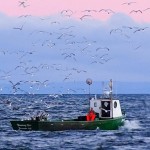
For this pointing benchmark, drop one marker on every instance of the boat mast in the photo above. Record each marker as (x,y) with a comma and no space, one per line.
(111,87)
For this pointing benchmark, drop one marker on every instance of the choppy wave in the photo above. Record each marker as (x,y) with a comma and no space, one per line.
(135,134)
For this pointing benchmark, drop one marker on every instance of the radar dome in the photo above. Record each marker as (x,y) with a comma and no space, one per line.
(89,81)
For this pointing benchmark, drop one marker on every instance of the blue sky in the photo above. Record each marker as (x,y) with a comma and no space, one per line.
(53,54)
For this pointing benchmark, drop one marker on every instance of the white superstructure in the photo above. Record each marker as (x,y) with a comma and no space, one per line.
(106,107)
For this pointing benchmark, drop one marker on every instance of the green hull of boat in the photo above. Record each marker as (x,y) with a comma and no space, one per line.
(105,124)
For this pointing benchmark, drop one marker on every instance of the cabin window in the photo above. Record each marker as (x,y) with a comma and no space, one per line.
(115,104)
(95,104)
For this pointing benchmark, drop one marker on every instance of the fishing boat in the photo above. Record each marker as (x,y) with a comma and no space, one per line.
(104,113)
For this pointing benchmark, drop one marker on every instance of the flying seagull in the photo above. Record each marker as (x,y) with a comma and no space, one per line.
(128,3)
(23,4)
(19,28)
(136,11)
(85,16)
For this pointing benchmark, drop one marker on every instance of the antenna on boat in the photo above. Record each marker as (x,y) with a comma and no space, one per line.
(89,82)
(111,87)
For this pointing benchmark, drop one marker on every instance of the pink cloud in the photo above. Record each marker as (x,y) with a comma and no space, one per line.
(50,7)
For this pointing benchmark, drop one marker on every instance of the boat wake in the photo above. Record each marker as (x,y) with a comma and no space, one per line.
(132,124)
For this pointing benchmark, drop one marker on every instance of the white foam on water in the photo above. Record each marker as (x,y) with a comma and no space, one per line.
(132,124)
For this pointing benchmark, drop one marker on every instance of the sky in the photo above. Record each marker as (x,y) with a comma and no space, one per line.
(54,46)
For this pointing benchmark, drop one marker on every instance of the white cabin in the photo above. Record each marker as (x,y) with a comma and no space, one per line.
(106,107)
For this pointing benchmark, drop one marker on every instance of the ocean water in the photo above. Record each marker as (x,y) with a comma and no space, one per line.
(134,135)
